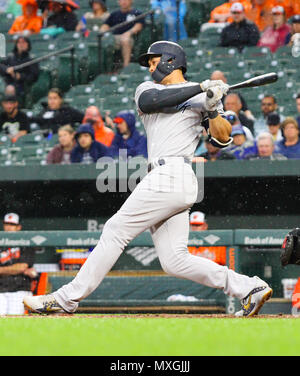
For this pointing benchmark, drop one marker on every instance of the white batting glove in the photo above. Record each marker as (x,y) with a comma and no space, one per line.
(207,84)
(211,103)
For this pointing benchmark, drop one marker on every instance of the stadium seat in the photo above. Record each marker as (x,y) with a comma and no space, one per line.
(30,140)
(6,21)
(4,140)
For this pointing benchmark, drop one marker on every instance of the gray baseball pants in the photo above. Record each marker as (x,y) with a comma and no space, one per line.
(161,203)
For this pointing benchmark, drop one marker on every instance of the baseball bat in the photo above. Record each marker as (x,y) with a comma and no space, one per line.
(263,79)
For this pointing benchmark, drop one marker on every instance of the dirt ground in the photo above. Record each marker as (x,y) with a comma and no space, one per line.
(159,315)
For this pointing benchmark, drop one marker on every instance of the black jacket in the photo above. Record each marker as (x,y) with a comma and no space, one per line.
(53,119)
(28,75)
(65,19)
(242,34)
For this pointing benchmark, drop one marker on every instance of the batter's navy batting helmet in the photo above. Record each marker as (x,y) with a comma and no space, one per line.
(172,57)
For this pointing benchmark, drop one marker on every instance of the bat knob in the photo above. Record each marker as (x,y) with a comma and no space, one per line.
(209,94)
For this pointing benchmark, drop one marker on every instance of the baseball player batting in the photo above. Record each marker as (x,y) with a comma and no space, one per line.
(174,113)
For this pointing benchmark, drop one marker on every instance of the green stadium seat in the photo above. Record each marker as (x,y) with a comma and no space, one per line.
(4,140)
(6,21)
(64,73)
(40,88)
(30,140)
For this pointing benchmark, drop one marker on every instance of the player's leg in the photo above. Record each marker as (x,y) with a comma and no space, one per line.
(170,238)
(145,207)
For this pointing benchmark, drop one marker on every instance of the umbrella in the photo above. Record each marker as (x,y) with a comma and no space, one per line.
(69,3)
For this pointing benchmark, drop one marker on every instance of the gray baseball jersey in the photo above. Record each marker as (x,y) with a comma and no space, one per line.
(174,131)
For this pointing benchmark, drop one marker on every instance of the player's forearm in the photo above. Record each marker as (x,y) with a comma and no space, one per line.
(154,100)
(13,269)
(220,129)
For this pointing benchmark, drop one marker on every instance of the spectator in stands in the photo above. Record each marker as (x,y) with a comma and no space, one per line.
(265,148)
(274,36)
(103,134)
(61,153)
(29,22)
(291,7)
(298,108)
(99,13)
(61,16)
(16,271)
(274,125)
(295,29)
(87,150)
(241,32)
(260,13)
(221,13)
(290,144)
(240,146)
(232,102)
(219,75)
(233,119)
(13,122)
(56,113)
(171,26)
(127,137)
(268,105)
(197,221)
(22,78)
(124,35)
(213,153)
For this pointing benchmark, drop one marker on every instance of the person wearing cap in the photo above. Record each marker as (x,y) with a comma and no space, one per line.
(273,122)
(241,147)
(290,144)
(197,221)
(22,79)
(103,134)
(16,271)
(97,16)
(13,121)
(221,13)
(274,36)
(265,149)
(295,29)
(128,137)
(233,119)
(124,34)
(233,102)
(87,150)
(241,32)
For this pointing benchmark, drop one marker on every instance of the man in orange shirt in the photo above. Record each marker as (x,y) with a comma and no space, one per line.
(103,134)
(222,12)
(261,13)
(29,22)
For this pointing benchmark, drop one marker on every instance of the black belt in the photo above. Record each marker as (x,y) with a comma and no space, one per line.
(162,162)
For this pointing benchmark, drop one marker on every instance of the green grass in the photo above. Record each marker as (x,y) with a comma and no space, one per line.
(148,336)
